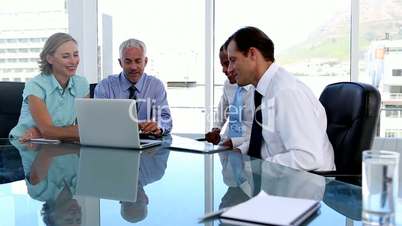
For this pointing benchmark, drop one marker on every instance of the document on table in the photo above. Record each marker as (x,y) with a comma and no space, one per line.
(265,209)
(191,145)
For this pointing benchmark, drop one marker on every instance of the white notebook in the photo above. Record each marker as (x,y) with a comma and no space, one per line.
(272,210)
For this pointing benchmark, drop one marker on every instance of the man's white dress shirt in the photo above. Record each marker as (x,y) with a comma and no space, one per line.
(294,123)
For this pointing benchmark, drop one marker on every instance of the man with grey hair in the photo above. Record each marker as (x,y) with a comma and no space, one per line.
(132,83)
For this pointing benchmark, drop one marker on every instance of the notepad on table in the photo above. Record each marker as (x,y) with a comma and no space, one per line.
(265,209)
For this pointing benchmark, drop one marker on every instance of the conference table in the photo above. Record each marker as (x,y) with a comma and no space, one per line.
(71,184)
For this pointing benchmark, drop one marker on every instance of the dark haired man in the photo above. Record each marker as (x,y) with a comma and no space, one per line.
(290,123)
(236,107)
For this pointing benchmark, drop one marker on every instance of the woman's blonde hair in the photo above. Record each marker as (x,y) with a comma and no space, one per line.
(51,45)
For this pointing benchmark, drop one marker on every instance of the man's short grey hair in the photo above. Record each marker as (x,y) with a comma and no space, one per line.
(132,43)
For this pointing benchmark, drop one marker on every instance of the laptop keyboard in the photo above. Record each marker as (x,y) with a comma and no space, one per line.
(148,136)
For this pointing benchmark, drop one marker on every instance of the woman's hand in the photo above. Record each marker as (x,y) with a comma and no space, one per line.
(30,134)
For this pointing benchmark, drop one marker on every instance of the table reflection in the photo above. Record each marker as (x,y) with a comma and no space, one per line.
(245,177)
(69,181)
(282,181)
(60,174)
(344,198)
(51,176)
(10,163)
(153,164)
(240,181)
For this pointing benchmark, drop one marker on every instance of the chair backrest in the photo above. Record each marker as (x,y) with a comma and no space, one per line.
(10,105)
(92,89)
(352,112)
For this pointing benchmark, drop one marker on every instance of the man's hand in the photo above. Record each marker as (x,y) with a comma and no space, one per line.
(150,127)
(228,143)
(213,136)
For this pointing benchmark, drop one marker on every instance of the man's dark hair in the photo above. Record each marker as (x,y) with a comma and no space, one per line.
(224,47)
(248,37)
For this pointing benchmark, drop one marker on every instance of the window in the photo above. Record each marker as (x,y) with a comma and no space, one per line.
(35,50)
(393,133)
(393,111)
(22,50)
(34,40)
(311,38)
(380,40)
(312,43)
(175,50)
(30,70)
(23,38)
(396,72)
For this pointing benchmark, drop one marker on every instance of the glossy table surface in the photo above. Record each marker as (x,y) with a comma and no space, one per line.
(69,184)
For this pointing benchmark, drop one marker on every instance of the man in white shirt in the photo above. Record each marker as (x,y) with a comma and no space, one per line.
(290,123)
(236,107)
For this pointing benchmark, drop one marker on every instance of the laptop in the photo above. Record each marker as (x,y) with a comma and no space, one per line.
(110,123)
(108,173)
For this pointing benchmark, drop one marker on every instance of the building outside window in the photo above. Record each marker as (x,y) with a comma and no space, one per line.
(380,39)
(23,39)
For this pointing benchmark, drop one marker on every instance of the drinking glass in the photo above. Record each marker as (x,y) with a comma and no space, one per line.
(380,186)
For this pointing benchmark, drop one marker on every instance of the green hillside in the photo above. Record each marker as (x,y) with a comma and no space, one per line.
(334,48)
(332,40)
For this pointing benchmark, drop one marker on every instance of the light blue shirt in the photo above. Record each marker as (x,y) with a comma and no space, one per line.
(247,114)
(59,101)
(235,114)
(151,97)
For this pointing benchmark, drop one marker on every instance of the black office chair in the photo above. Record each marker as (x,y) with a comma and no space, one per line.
(10,105)
(92,89)
(352,112)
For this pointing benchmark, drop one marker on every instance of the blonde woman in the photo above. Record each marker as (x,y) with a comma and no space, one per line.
(48,98)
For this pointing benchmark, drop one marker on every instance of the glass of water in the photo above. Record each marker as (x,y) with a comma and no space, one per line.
(380,186)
